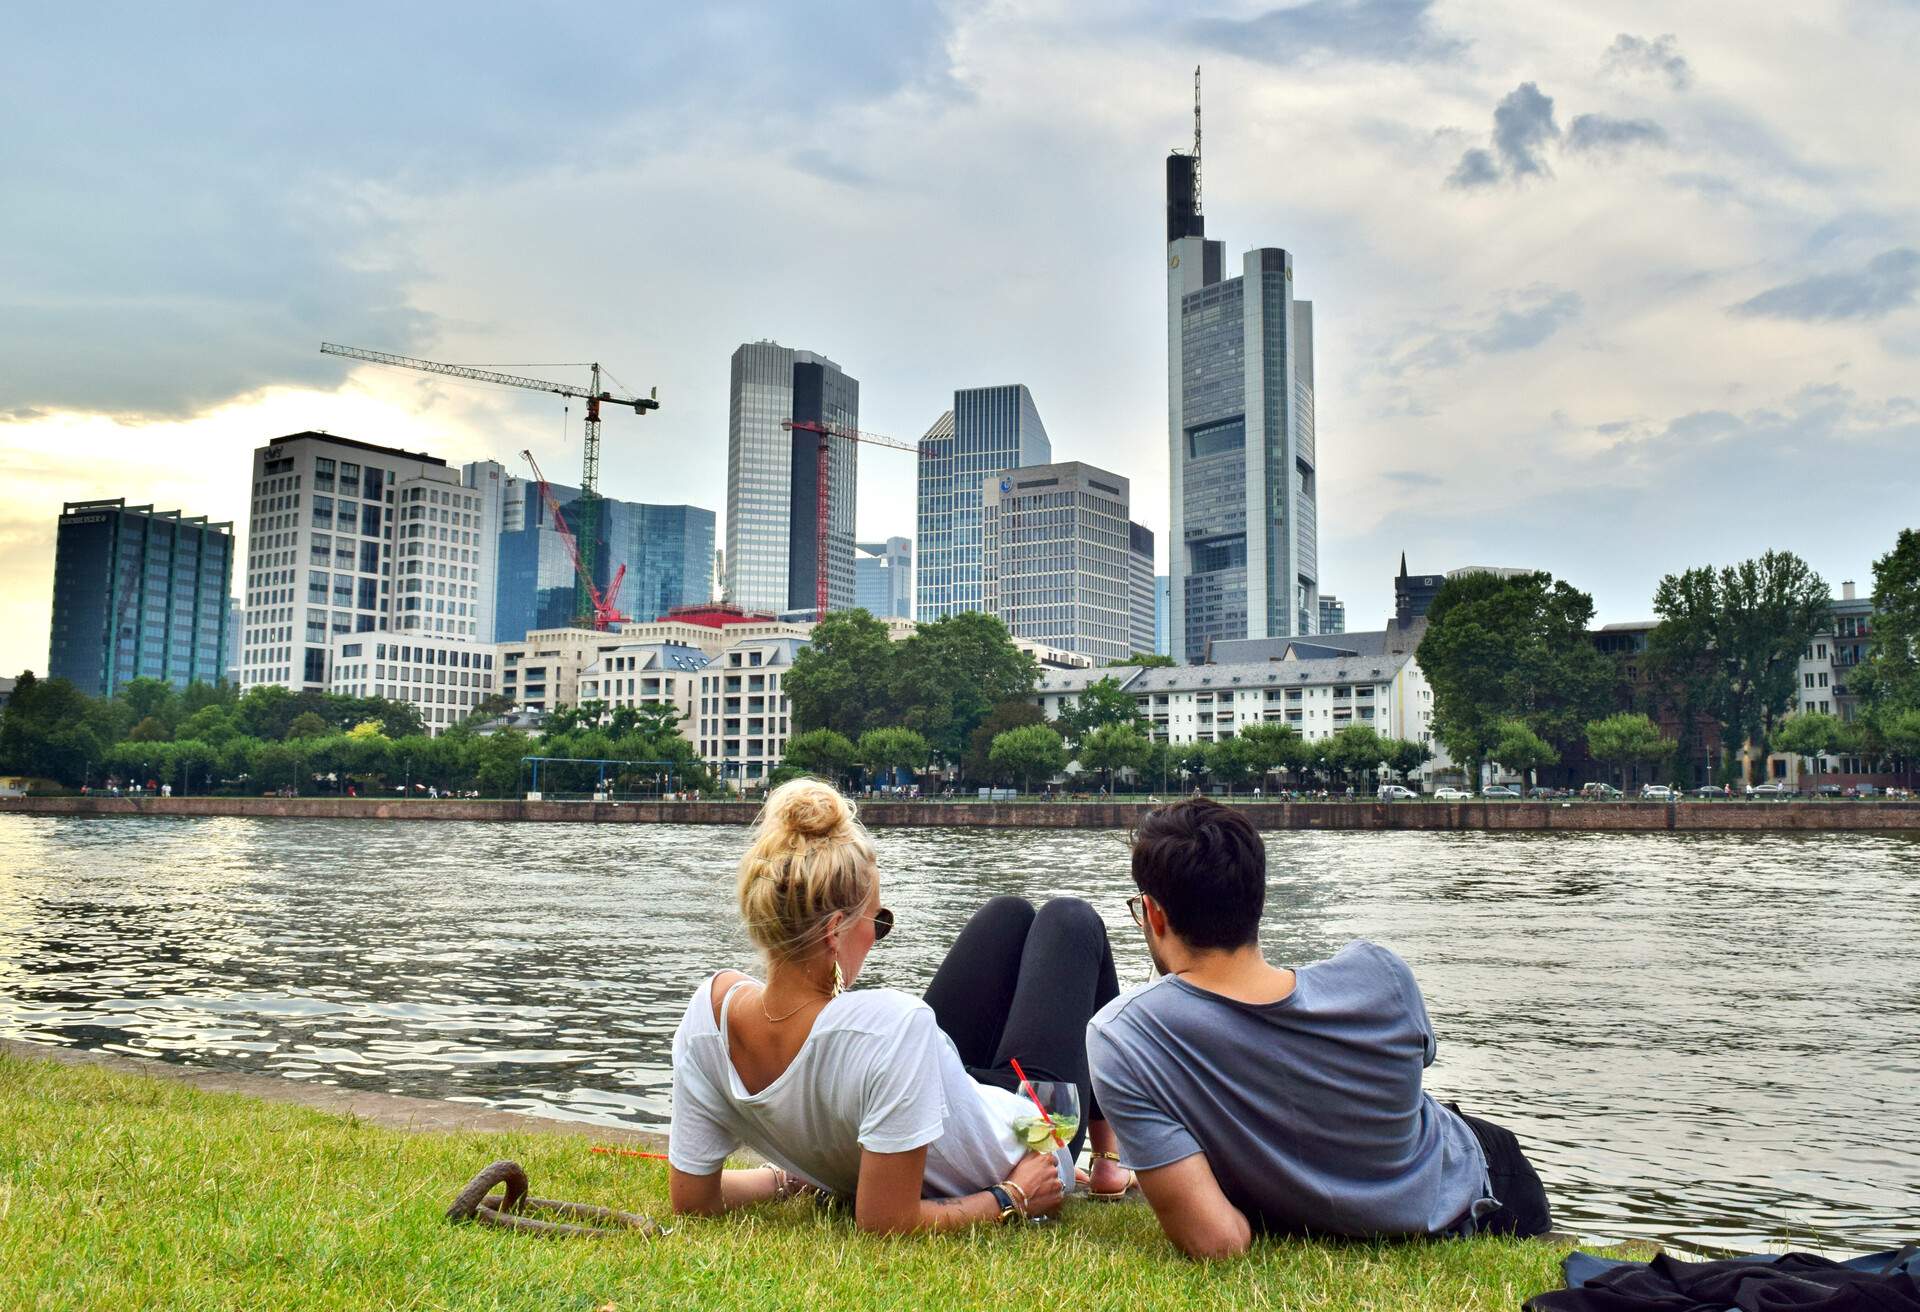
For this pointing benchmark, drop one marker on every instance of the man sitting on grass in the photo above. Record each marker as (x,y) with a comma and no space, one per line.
(1250,1097)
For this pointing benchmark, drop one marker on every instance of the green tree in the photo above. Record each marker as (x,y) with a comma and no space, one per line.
(307,724)
(1194,761)
(1144,659)
(199,696)
(1519,748)
(1809,734)
(1511,648)
(1115,746)
(1356,752)
(842,679)
(152,699)
(1007,715)
(1888,677)
(210,724)
(952,673)
(825,752)
(151,729)
(1029,750)
(47,731)
(1103,702)
(279,765)
(1271,747)
(892,749)
(1730,640)
(1232,763)
(1627,738)
(237,761)
(192,762)
(1900,730)
(1405,755)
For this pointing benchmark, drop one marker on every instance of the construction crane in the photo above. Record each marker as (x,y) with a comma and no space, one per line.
(588,508)
(821,505)
(605,612)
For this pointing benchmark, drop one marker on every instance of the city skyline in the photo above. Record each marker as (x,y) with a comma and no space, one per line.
(1600,291)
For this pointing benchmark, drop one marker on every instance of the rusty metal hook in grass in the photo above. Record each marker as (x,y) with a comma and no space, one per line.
(509,1211)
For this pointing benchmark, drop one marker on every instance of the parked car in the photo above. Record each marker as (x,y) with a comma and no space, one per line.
(1712,790)
(1600,792)
(1395,793)
(1448,793)
(1500,792)
(1543,794)
(1763,791)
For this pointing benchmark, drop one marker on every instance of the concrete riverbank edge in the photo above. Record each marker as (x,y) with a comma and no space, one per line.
(1557,817)
(388,1110)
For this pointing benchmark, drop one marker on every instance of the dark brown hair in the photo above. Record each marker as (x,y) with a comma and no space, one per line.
(1205,865)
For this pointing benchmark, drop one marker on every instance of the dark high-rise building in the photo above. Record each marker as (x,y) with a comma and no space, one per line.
(139,593)
(1141,637)
(1243,546)
(773,508)
(1413,594)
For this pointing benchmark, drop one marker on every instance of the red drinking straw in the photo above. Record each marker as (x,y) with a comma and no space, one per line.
(1027,1085)
(629,1152)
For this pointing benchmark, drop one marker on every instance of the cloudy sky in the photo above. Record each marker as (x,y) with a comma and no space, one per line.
(1605,289)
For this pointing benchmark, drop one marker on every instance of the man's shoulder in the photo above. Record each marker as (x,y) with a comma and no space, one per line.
(1133,1005)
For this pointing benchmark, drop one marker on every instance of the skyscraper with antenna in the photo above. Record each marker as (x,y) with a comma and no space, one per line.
(1244,542)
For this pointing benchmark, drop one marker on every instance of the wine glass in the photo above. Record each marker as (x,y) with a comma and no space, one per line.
(1051,1118)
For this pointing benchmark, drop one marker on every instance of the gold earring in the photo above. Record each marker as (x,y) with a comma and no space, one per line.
(839,980)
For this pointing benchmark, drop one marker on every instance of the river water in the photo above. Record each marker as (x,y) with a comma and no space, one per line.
(1709,1040)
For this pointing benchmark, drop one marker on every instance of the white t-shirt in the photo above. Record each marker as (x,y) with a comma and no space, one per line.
(876,1072)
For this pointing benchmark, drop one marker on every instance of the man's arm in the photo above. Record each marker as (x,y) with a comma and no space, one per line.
(1193,1212)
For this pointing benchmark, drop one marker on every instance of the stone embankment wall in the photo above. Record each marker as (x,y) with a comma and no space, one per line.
(1577,817)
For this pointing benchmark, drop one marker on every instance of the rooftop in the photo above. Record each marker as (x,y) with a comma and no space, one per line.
(311,435)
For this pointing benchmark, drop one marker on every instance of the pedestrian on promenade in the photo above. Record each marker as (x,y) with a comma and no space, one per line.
(1256,1098)
(905,1105)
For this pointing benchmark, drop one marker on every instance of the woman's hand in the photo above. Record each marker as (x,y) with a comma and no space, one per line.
(1038,1176)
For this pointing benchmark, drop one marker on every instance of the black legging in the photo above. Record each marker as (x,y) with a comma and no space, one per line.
(1020,983)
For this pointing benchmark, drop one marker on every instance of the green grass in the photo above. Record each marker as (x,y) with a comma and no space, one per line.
(128,1192)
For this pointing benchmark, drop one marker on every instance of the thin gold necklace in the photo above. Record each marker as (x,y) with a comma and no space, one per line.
(775,1020)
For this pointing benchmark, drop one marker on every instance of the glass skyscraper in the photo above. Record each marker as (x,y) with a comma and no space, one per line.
(1243,548)
(667,551)
(772,562)
(139,594)
(883,577)
(989,429)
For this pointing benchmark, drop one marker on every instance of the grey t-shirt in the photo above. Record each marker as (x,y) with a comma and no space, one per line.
(1309,1109)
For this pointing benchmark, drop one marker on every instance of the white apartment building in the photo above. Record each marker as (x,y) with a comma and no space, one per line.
(646,674)
(321,554)
(542,671)
(1318,697)
(444,677)
(741,720)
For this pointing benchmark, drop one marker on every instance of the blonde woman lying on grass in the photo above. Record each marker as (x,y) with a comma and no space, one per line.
(905,1106)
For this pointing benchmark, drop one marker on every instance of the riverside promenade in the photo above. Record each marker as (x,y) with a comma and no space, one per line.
(1559,817)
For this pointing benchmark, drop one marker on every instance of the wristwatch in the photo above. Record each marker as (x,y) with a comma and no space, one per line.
(1008,1212)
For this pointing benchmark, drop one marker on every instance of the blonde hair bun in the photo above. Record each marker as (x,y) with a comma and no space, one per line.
(807,808)
(809,860)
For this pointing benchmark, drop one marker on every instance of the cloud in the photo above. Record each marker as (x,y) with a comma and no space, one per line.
(829,168)
(1522,127)
(1378,31)
(1888,282)
(1529,318)
(1475,169)
(1591,132)
(1635,54)
(210,199)
(1412,478)
(1521,320)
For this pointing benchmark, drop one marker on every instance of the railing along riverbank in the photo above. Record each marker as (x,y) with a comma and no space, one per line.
(1570,817)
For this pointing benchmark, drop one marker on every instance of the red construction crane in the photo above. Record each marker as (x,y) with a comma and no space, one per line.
(820,491)
(605,613)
